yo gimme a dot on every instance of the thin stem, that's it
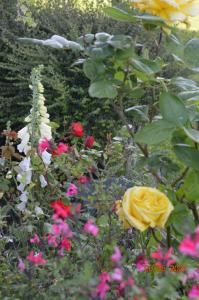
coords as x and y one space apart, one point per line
195 212
156 239
178 179
168 237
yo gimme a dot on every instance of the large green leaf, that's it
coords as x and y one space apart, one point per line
93 69
192 134
191 186
103 89
191 53
173 109
188 156
155 133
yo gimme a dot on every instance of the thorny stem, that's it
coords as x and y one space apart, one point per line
156 238
178 179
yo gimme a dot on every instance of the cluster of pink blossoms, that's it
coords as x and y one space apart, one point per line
117 278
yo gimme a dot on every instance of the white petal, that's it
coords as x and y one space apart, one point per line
39 211
43 181
46 157
45 131
25 164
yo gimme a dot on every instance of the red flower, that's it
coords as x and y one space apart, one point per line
61 148
66 244
89 142
61 209
83 180
77 129
36 259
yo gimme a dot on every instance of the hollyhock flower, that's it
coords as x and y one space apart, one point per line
91 228
52 240
36 259
72 190
89 142
117 274
77 129
21 265
164 258
194 292
188 247
116 257
83 179
60 209
61 148
43 145
35 239
141 263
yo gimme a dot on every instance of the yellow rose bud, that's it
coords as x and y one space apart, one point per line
144 207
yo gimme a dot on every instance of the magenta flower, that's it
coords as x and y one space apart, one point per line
188 246
102 288
164 258
117 274
91 228
52 241
72 190
141 263
124 284
191 275
66 244
35 239
43 145
36 259
61 148
116 257
83 180
21 265
194 292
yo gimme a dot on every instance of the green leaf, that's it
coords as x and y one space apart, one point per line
119 14
103 89
191 186
149 19
93 69
188 156
141 66
185 83
191 53
155 133
192 134
173 109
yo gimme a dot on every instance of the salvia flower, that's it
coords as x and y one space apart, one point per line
21 265
89 142
164 258
141 263
116 257
60 209
72 190
35 239
36 258
194 292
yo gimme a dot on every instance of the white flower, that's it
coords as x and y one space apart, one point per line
21 187
38 211
43 181
45 131
24 198
46 157
25 164
24 135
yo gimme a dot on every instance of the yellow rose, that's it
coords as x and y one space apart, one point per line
170 10
144 207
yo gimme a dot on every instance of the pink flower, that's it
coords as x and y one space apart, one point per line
91 228
117 274
43 145
141 263
188 246
52 240
116 257
123 285
83 180
36 259
102 288
164 258
62 228
194 292
66 244
61 148
21 265
72 190
191 275
35 239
